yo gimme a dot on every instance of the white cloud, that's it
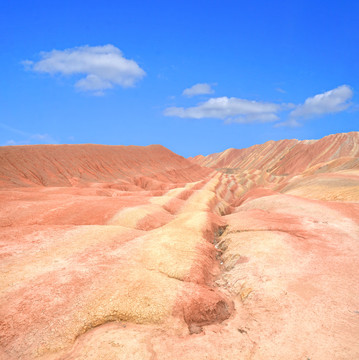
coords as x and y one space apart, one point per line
198 89
332 101
229 109
103 67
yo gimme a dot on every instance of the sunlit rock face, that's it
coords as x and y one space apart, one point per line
114 252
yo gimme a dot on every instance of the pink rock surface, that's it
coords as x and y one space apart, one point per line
111 252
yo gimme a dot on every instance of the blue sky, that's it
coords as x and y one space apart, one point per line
195 76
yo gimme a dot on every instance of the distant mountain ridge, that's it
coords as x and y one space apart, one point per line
286 157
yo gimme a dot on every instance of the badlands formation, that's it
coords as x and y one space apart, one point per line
113 252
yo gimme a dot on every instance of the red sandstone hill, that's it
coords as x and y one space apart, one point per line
288 157
68 165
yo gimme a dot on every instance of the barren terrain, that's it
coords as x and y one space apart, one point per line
114 252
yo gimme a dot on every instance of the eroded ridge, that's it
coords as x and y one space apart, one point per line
148 263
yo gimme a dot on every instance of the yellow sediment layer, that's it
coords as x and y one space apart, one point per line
329 193
129 217
130 294
173 248
171 194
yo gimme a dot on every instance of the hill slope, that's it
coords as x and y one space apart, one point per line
67 165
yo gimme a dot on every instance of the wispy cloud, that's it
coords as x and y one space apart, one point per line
229 109
198 89
102 67
332 101
280 90
26 138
